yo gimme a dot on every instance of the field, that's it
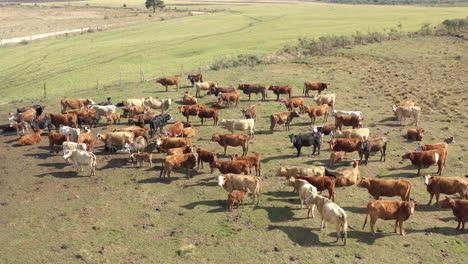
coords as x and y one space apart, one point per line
49 214
187 44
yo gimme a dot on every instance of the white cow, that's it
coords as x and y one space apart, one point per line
362 133
329 99
239 125
163 104
103 110
68 145
402 112
74 132
81 157
353 113
135 102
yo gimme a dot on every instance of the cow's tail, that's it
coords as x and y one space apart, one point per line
408 192
365 221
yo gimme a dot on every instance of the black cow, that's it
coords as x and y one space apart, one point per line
7 128
193 78
306 140
109 102
158 121
91 121
41 123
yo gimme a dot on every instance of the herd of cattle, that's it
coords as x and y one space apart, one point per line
175 141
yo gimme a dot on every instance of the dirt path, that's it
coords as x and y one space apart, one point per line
40 36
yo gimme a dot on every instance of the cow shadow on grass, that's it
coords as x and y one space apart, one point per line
39 155
159 180
203 182
280 157
300 124
399 175
315 161
210 203
64 174
282 194
356 210
115 163
57 165
429 208
278 214
447 231
303 236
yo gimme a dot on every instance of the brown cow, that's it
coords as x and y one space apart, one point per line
347 120
322 183
177 129
114 117
31 139
388 188
371 146
138 131
446 185
141 157
254 88
232 140
389 210
187 161
293 103
336 156
250 113
442 145
314 111
314 86
169 81
75 104
57 139
254 160
415 134
131 111
281 89
69 119
228 98
180 150
188 99
283 118
191 110
350 176
208 113
231 166
459 209
84 112
237 196
142 119
21 126
427 158
194 78
345 144
171 142
205 156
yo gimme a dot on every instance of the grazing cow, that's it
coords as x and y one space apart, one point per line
237 182
250 113
81 157
293 103
206 156
330 212
388 188
20 126
442 145
186 161
370 146
415 134
329 99
41 123
249 89
158 121
75 103
204 86
171 142
314 86
459 209
177 130
350 176
322 183
345 144
231 166
254 160
228 98
68 145
233 140
361 133
142 119
347 120
65 119
240 125
208 113
188 99
336 156
191 110
427 158
281 89
353 113
195 78
389 210
91 121
219 90
169 81
306 140
283 118
138 146
237 196
403 111
142 157
138 131
162 104
295 171
304 188
180 150
116 138
446 185
73 132
113 118
314 111
31 139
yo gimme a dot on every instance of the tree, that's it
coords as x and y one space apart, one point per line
154 4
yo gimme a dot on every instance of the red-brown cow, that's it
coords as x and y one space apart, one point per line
254 160
314 86
281 89
229 98
388 188
191 110
427 158
231 166
69 119
415 134
347 120
293 103
389 210
169 81
208 113
31 139
459 209
206 156
254 88
314 111
57 139
322 183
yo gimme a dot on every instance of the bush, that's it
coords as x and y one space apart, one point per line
240 60
90 30
24 42
124 5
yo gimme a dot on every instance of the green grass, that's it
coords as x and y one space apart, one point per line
170 47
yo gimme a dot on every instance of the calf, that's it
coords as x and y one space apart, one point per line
253 88
57 139
347 120
427 158
459 209
205 156
208 113
81 157
389 188
293 103
187 161
322 183
231 166
31 139
336 156
314 86
446 185
188 99
254 160
370 146
91 121
68 145
233 140
389 210
250 113
138 146
281 89
231 182
283 118
415 134
314 111
203 86
113 118
237 196
191 110
141 157
306 140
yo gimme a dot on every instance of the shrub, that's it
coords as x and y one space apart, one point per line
24 42
124 5
240 60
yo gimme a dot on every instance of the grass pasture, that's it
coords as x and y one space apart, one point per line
49 214
186 44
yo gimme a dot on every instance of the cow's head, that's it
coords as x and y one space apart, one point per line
67 154
408 155
449 140
292 138
448 202
364 183
281 171
408 207
427 178
271 88
221 181
222 122
419 147
332 143
215 137
90 102
354 163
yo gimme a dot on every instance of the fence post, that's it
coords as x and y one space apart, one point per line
142 75
45 90
97 83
